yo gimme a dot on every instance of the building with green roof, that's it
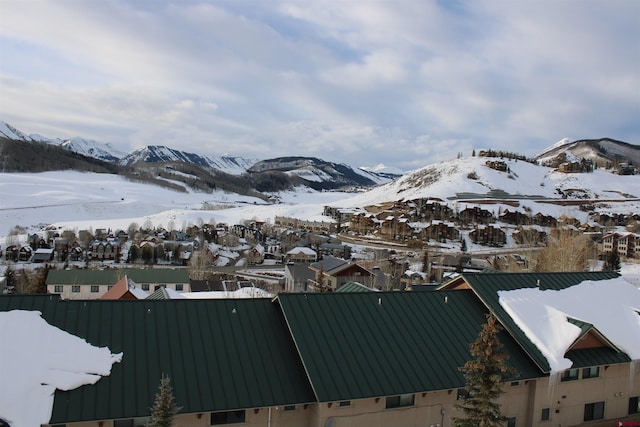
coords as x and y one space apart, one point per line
92 284
333 359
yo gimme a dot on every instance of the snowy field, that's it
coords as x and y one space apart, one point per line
76 200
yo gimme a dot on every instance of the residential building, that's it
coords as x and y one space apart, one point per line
93 284
301 254
331 273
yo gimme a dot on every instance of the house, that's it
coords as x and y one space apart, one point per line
24 253
93 284
42 255
440 230
331 273
488 235
298 277
396 227
475 215
363 222
104 250
627 245
531 235
515 217
411 278
255 255
498 165
301 254
11 253
384 358
335 249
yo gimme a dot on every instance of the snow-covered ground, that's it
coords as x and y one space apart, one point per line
76 200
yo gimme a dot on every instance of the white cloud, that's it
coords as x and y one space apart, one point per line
370 73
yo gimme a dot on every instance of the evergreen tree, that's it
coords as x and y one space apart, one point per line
484 375
164 407
612 262
10 277
463 246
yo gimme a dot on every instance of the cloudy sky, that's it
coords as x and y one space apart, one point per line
400 82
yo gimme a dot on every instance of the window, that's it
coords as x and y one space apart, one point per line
95 288
145 287
591 372
634 405
123 423
344 403
569 375
75 289
594 411
399 401
57 289
289 407
179 287
511 422
515 383
546 414
462 394
109 287
227 417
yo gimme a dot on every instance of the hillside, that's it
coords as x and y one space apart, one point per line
35 156
524 186
602 151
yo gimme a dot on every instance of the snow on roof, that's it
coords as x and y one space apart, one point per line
611 306
43 359
302 249
247 292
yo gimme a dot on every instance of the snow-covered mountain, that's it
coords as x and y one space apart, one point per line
90 148
314 172
320 174
99 150
233 165
601 151
9 132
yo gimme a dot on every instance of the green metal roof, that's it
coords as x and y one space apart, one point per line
486 286
596 357
219 354
369 344
355 287
111 276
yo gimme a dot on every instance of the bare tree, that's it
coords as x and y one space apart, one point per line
566 251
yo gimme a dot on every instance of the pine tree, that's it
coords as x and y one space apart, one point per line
484 375
612 262
10 277
164 407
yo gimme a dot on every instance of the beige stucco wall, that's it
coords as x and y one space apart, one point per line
86 294
524 401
